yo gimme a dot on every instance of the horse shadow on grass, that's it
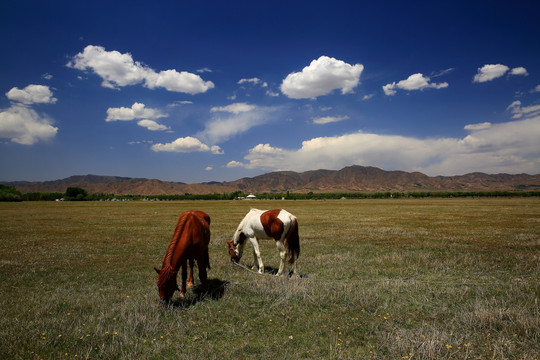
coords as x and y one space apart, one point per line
216 290
269 270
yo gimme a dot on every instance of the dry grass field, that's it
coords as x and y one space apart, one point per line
381 279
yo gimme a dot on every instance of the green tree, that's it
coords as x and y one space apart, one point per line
9 193
75 193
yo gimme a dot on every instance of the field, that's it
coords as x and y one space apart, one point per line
381 279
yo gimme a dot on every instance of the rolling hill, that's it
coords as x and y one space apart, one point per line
349 179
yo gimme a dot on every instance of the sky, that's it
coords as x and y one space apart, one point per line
197 91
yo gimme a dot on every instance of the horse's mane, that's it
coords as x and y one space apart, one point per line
166 274
174 241
167 270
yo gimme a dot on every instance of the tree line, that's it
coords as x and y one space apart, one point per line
9 193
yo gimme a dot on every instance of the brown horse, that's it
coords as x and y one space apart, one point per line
189 242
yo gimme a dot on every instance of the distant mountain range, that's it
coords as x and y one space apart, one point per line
349 179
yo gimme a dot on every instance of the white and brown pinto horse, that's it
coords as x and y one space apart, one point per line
189 242
277 224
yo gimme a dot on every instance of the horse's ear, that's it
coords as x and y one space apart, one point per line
158 271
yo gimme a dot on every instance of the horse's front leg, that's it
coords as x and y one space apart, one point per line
184 276
190 282
257 261
282 256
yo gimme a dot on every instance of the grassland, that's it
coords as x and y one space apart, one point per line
381 279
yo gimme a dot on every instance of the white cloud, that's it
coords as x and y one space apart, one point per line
321 77
521 71
480 126
238 118
137 111
152 125
389 89
489 72
178 81
180 103
413 82
24 126
234 164
442 72
186 145
265 156
271 93
209 168
235 108
329 119
32 94
536 89
368 96
47 76
253 81
510 147
118 70
527 111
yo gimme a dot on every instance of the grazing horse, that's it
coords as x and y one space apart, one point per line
189 242
277 224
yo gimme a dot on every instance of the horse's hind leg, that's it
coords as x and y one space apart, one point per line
293 265
191 281
201 263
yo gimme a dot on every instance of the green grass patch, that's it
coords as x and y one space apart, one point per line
381 279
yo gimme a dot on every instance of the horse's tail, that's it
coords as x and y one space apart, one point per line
207 260
293 240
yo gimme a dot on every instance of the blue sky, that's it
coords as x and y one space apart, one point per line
196 91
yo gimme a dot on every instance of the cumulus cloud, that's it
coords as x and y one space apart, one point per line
490 72
413 82
510 147
329 119
118 70
493 71
186 144
32 94
321 77
152 125
521 71
136 111
24 126
234 164
536 89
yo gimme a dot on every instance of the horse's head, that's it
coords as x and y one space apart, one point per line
166 285
233 251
